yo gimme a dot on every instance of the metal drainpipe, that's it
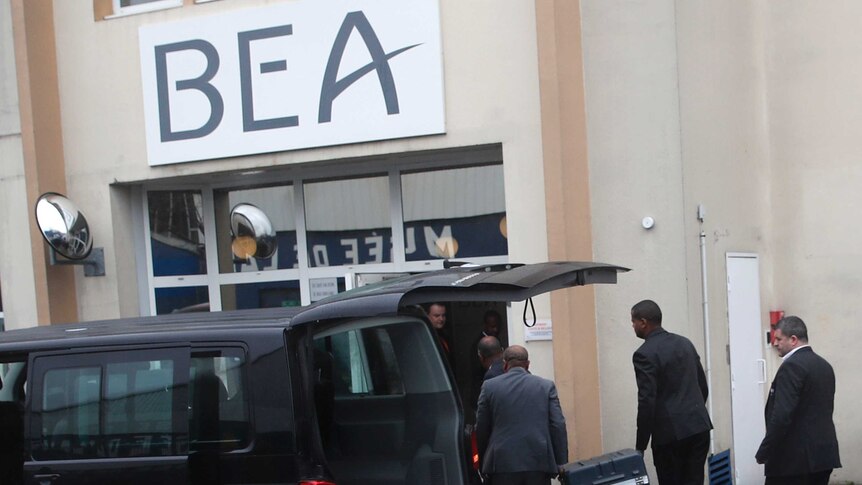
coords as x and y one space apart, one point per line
701 213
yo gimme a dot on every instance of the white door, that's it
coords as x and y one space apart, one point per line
747 365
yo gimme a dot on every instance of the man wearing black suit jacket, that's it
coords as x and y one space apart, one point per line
800 446
672 391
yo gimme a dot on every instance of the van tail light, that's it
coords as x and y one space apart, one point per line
474 450
315 482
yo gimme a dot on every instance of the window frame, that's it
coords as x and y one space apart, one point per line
393 168
152 6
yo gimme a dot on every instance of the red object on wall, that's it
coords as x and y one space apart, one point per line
774 317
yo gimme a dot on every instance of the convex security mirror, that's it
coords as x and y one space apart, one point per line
252 233
65 229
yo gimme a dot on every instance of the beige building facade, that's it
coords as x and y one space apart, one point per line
553 129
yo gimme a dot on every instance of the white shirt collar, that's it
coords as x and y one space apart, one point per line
787 355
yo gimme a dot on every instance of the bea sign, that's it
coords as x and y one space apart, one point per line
303 74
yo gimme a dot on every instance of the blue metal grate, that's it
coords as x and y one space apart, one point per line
720 471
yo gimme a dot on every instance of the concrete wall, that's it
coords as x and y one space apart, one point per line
19 294
815 119
636 170
752 110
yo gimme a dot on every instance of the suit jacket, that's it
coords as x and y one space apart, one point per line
520 425
800 435
672 390
496 369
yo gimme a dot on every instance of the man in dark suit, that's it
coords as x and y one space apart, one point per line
490 354
490 328
520 429
800 446
672 391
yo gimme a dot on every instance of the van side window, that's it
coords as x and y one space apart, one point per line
158 402
218 414
138 402
363 362
70 412
111 405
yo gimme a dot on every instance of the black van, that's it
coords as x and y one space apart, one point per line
353 390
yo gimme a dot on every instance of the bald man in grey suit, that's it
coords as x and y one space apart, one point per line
520 429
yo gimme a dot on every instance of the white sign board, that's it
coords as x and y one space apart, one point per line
301 74
542 330
322 287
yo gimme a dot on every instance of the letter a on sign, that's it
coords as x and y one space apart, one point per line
379 62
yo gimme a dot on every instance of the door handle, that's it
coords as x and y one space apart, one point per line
47 478
762 364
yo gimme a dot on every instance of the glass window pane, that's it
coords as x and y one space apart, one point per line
348 222
271 294
70 417
276 203
364 362
218 415
385 375
139 409
177 232
349 369
454 213
182 299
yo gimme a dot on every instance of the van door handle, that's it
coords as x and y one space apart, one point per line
762 364
47 478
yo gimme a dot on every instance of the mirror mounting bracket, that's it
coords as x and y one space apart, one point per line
94 263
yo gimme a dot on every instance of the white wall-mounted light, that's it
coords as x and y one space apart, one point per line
648 222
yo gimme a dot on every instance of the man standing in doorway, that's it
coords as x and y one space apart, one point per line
490 328
800 446
437 316
672 391
520 429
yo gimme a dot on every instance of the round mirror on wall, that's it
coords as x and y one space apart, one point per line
63 226
252 233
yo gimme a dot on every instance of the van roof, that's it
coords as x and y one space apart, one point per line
162 324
